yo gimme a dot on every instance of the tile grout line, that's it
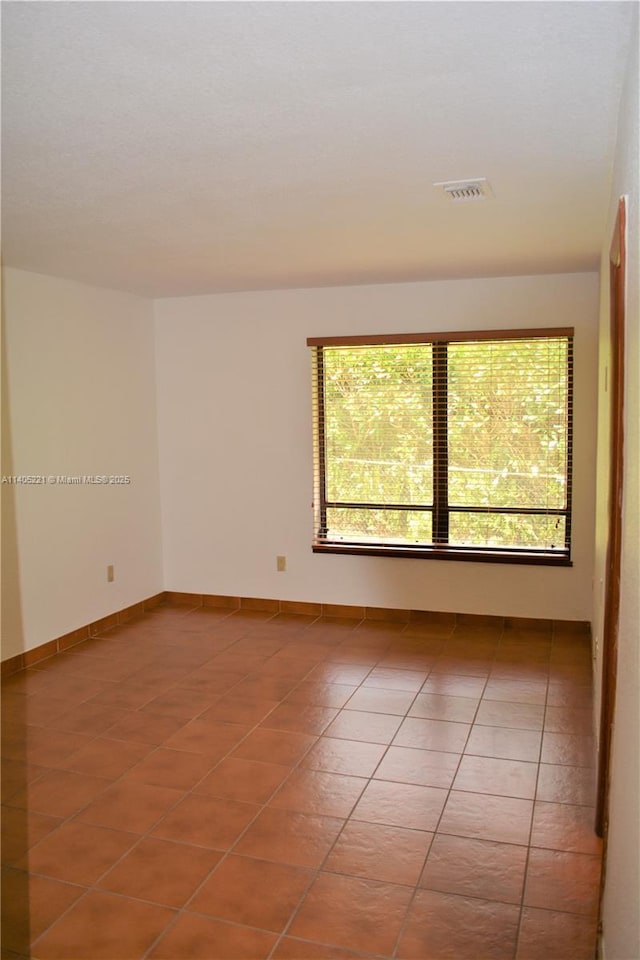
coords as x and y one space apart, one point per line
370 779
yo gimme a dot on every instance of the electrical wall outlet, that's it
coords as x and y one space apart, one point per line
110 574
281 564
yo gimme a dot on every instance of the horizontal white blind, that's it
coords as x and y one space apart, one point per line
445 442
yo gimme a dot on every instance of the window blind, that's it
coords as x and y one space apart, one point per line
448 444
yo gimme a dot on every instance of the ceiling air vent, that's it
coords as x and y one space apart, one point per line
462 190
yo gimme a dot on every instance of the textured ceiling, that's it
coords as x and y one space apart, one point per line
172 148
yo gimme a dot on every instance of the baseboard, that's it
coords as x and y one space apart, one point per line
193 601
27 659
352 612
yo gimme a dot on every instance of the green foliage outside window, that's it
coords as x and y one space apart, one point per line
507 442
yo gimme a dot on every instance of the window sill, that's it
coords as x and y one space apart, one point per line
449 553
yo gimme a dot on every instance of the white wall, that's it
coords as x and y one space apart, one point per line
234 414
81 401
621 910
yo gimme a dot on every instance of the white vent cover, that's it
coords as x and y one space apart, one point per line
461 190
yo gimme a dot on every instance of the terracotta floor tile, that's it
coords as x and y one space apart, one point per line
570 694
321 694
387 678
338 626
316 791
547 933
224 661
304 650
234 709
103 926
448 685
266 645
516 691
206 821
501 713
357 914
289 837
422 636
475 868
557 880
198 938
568 748
427 768
374 851
245 780
161 673
185 703
61 667
38 709
461 664
428 712
15 776
60 793
575 720
140 727
474 631
579 673
103 669
363 654
563 826
103 757
442 925
564 784
299 718
504 743
30 904
520 670
369 727
431 706
341 673
352 757
212 681
29 681
292 949
48 747
78 853
442 735
209 738
170 768
258 893
504 819
128 695
21 830
162 871
88 718
16 737
375 700
277 746
130 806
283 668
481 648
416 659
13 701
401 805
526 651
264 688
506 778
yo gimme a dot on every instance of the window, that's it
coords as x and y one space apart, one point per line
453 446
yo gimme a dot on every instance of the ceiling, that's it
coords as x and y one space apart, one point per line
173 148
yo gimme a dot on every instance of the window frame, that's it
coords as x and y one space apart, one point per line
440 509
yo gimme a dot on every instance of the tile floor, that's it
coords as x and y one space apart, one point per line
216 785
